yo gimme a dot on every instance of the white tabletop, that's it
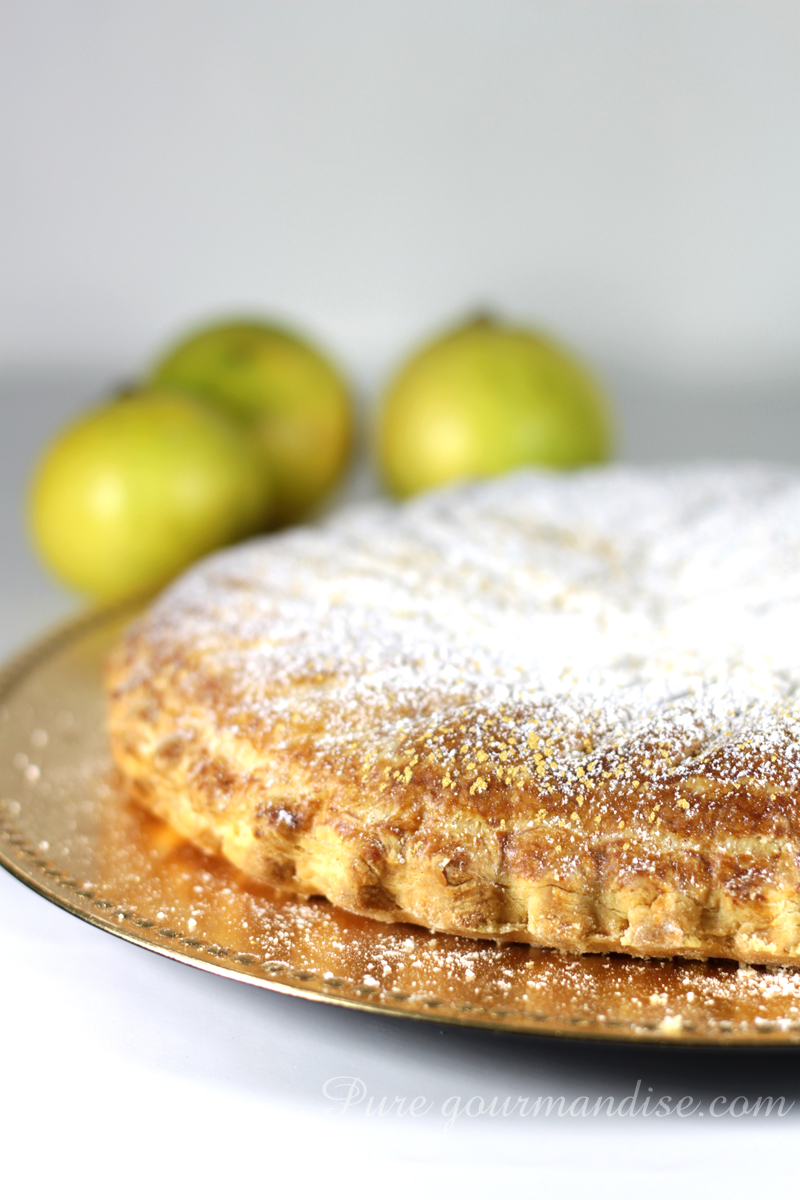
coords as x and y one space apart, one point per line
125 1072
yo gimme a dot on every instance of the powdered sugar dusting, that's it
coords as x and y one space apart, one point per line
612 618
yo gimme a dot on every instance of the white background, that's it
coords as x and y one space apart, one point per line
628 174
624 174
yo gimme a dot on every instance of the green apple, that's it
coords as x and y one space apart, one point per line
486 398
136 490
295 402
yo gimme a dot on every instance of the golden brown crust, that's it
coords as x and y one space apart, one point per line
563 818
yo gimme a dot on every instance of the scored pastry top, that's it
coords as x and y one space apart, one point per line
595 649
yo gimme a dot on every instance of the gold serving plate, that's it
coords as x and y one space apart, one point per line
67 831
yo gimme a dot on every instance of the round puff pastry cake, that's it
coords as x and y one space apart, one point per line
556 709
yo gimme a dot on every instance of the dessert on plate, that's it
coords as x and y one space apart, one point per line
560 709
